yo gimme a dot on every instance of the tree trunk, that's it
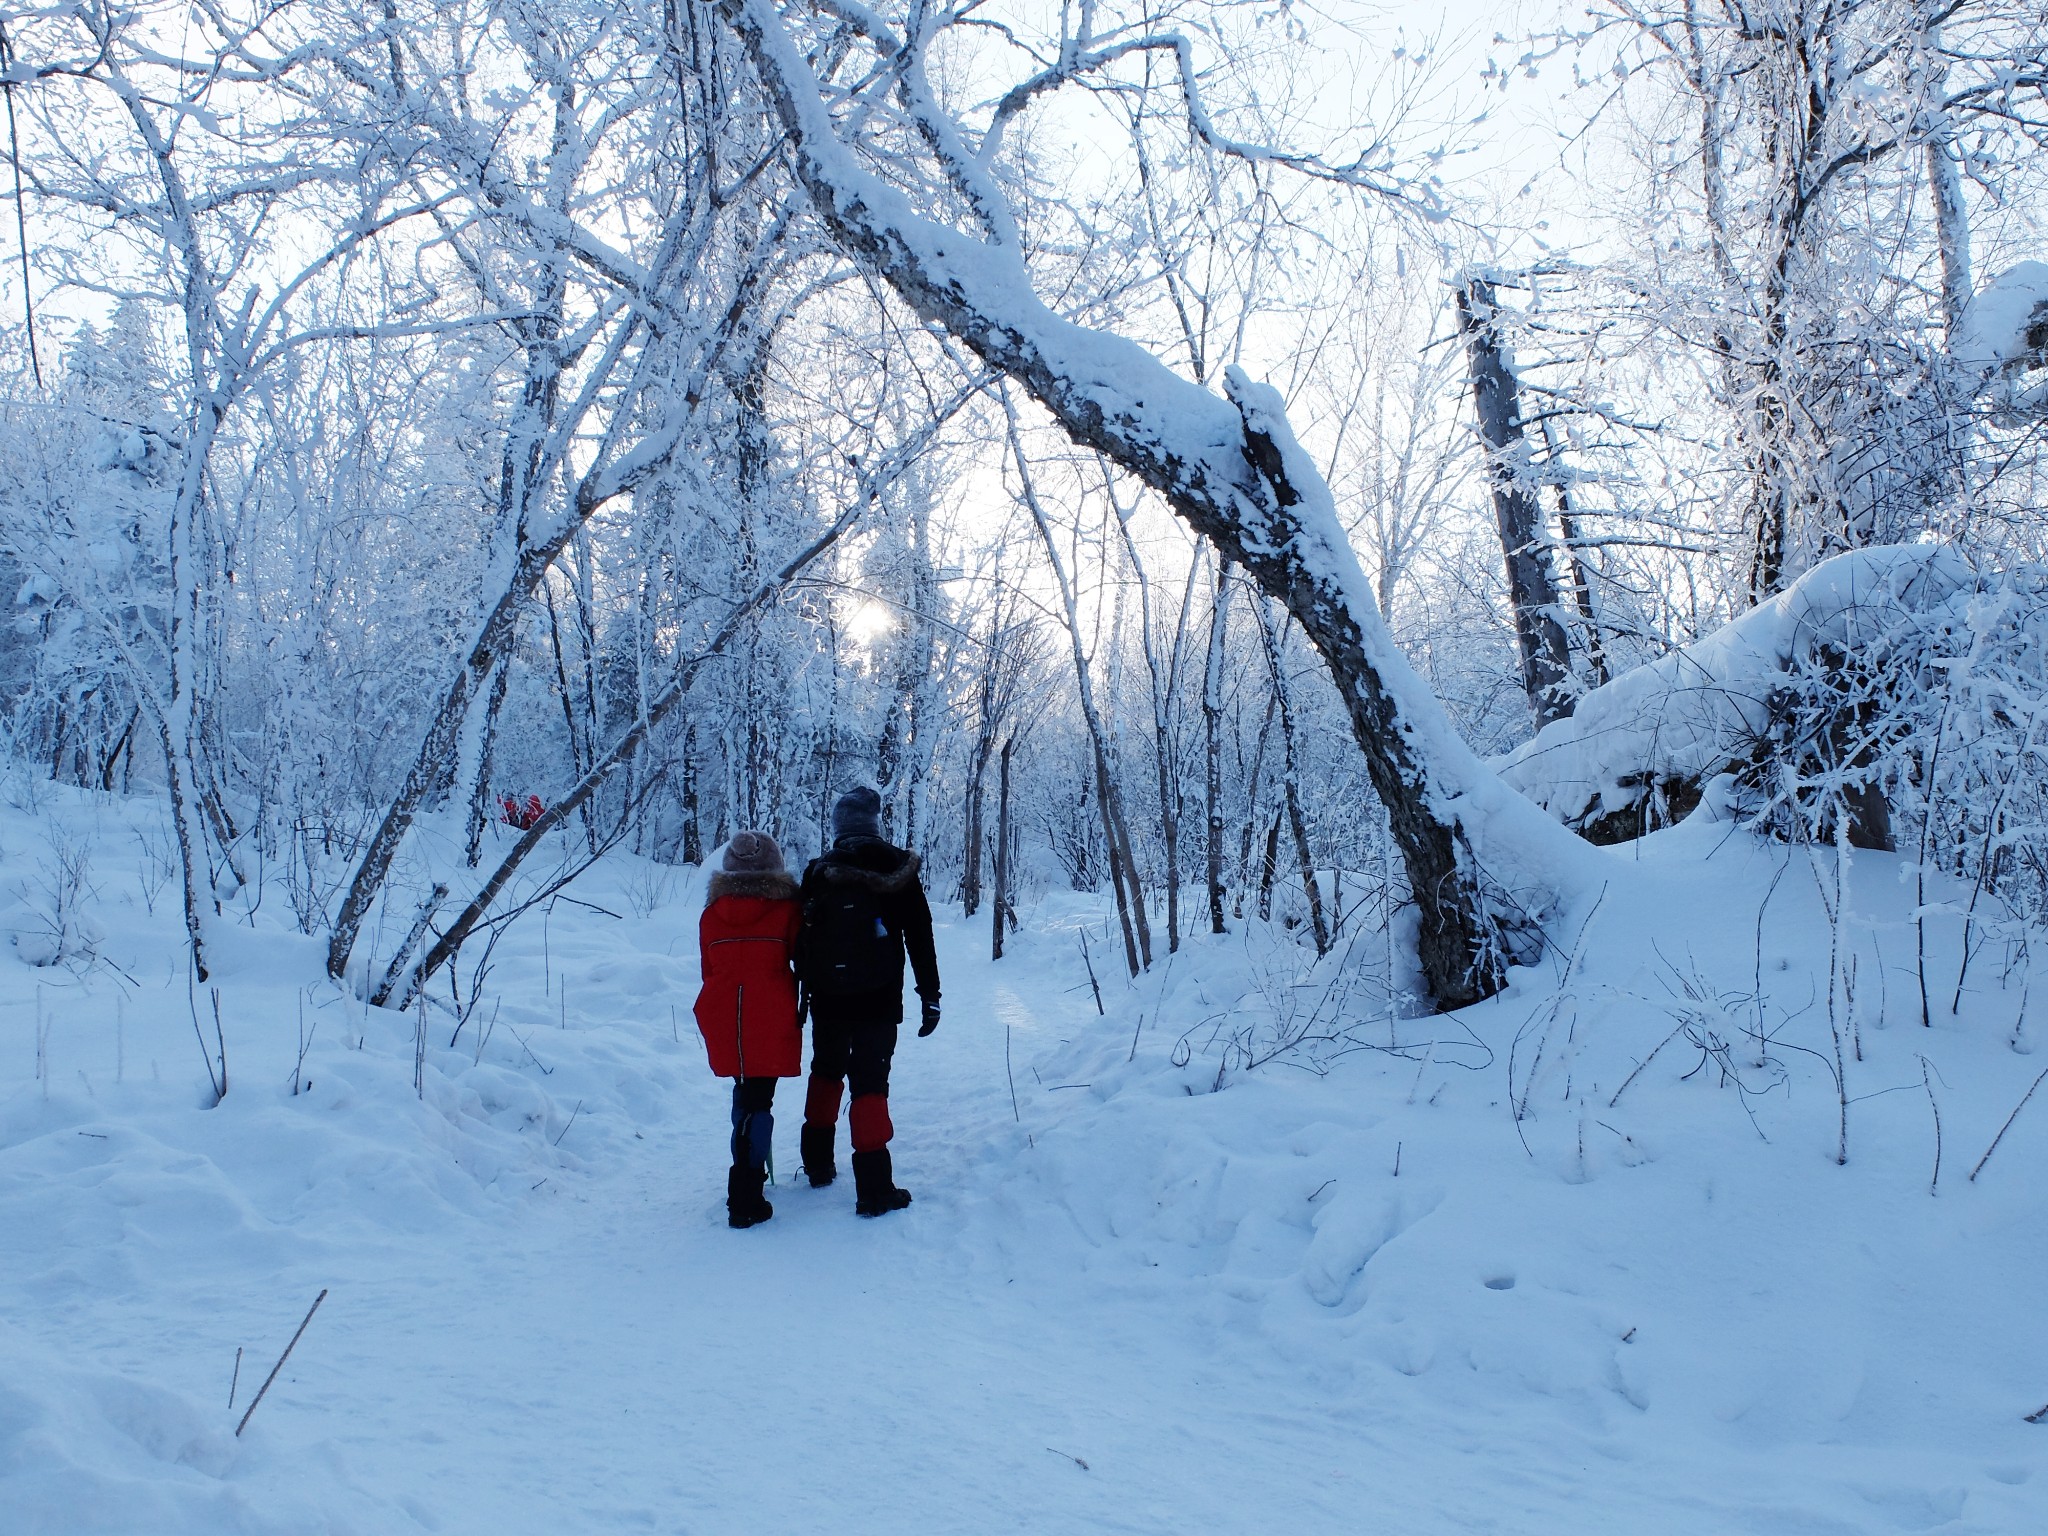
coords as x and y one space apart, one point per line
1268 867
586 642
1128 858
1290 780
191 612
1951 212
1123 878
1532 586
1249 832
1112 852
1163 687
191 866
122 743
970 852
1583 598
483 800
1119 819
889 759
1212 743
1001 904
693 824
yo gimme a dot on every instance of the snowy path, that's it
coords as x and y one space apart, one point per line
604 1354
1224 1304
624 1362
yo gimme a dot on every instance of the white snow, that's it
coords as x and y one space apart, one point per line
1993 332
1685 714
1164 1292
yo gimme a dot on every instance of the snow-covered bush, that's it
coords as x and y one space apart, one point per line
1929 736
1892 697
1638 752
1962 725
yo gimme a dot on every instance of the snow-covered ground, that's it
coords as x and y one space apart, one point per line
1144 1287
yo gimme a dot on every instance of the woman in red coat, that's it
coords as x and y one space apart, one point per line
747 1006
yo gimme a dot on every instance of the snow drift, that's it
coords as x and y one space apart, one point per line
1642 746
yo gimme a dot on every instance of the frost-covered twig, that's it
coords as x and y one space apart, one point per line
2008 1125
1676 1031
1927 1082
280 1363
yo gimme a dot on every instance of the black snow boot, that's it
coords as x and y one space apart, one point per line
745 1205
815 1143
874 1184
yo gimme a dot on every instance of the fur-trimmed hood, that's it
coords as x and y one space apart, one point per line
774 886
838 867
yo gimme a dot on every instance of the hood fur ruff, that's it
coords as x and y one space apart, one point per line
898 879
774 886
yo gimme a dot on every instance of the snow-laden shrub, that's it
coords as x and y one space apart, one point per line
1945 716
1637 752
1892 698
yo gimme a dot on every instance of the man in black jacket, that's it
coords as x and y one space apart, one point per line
864 910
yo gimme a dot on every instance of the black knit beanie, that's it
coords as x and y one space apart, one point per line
857 814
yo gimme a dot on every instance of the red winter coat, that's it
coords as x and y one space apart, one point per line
747 1006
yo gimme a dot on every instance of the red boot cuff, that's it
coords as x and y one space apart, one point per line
868 1118
821 1101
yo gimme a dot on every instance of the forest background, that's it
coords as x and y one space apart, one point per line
1092 424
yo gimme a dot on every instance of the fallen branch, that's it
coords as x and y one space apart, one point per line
2006 1127
572 1120
280 1362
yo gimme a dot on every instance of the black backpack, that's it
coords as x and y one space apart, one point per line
848 945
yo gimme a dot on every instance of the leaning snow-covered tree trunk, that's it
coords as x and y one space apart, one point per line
1230 468
626 748
620 344
532 535
621 753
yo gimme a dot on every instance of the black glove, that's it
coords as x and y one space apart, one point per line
930 1009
